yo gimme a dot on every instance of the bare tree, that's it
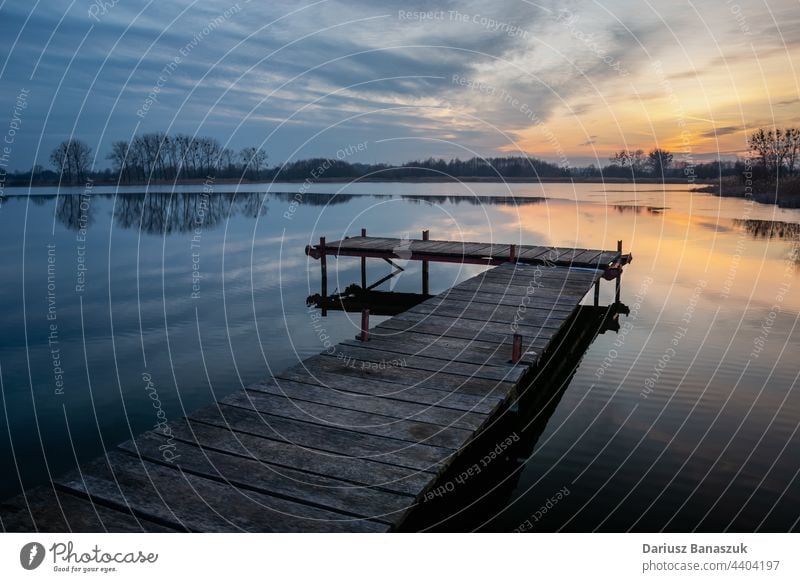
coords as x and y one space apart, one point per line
119 160
777 149
71 158
659 161
253 159
59 158
227 162
629 159
791 138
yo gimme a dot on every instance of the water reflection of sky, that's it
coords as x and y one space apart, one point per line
718 424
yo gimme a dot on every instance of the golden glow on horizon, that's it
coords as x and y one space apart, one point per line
650 110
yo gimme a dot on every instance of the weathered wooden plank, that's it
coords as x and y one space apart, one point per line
509 316
440 381
424 246
366 243
168 495
607 257
357 244
492 288
532 311
44 509
557 253
419 394
534 252
540 277
317 466
386 334
498 250
538 302
588 257
455 249
519 291
390 408
497 355
481 330
505 374
253 475
502 299
568 255
545 272
451 336
526 253
324 415
335 441
433 247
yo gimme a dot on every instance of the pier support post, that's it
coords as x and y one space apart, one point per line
363 265
516 349
364 334
512 253
425 288
323 268
597 293
619 277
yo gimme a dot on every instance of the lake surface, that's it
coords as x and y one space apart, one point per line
684 419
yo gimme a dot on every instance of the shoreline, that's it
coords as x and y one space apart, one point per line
431 180
787 196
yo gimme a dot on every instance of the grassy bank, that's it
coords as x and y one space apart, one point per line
785 193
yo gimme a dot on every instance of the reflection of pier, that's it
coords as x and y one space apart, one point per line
356 298
351 439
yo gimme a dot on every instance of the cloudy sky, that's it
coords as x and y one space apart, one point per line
566 81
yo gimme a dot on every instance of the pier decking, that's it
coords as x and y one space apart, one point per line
463 252
352 438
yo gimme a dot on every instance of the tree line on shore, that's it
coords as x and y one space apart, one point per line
160 157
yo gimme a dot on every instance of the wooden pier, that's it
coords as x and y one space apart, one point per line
350 439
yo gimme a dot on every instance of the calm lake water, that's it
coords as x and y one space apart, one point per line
684 419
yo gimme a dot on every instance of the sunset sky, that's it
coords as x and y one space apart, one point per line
566 81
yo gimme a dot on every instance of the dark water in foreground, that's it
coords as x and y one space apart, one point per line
685 419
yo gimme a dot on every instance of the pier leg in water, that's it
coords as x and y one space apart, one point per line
363 264
323 267
425 236
619 277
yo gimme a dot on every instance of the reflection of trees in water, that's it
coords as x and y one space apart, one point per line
319 199
71 215
165 213
637 209
325 199
769 228
162 213
474 200
184 212
794 254
41 200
